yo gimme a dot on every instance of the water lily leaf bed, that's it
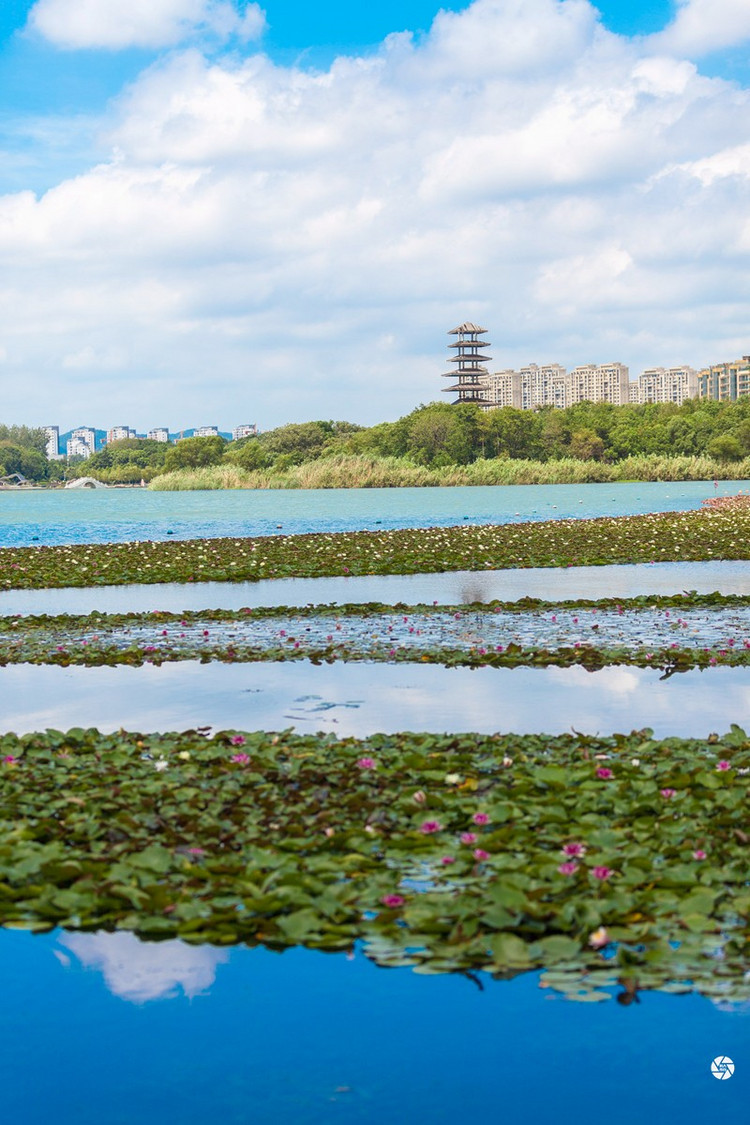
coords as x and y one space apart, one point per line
691 631
697 535
618 857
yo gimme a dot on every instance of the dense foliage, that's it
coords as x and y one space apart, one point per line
450 853
22 450
663 537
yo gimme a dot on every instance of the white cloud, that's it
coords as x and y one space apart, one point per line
703 26
139 971
260 230
115 24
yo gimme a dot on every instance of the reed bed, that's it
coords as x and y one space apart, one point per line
344 471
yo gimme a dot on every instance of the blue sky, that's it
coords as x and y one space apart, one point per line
209 208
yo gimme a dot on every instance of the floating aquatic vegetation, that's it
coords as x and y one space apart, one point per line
658 537
673 633
600 859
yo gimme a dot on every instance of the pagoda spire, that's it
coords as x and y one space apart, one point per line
470 371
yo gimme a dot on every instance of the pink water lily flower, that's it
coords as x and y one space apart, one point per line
241 759
667 793
393 900
723 765
480 853
367 763
604 772
9 760
237 740
574 850
699 854
447 859
430 826
602 872
599 938
468 837
481 818
568 868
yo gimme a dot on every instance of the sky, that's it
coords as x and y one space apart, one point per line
217 212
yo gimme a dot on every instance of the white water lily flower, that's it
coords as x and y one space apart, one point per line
161 764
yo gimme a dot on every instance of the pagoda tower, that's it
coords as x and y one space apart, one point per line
470 372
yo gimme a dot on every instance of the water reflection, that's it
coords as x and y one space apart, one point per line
138 971
314 1039
450 588
359 699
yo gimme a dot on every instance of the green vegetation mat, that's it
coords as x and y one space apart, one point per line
465 635
596 858
671 536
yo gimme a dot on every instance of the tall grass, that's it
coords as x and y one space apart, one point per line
345 471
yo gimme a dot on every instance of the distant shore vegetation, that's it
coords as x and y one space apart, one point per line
440 444
436 444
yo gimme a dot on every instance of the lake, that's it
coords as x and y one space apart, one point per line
101 1028
48 516
104 1028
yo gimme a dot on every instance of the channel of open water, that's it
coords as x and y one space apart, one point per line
448 588
359 699
117 515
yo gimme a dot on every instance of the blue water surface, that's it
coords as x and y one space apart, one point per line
101 1028
49 516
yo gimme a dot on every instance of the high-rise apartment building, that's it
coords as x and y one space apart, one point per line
206 431
119 433
248 430
82 442
606 382
726 381
52 448
501 388
161 433
660 384
543 386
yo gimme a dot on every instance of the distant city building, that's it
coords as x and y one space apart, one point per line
606 382
119 433
660 384
52 448
206 431
161 433
502 388
469 360
543 386
82 442
249 430
726 382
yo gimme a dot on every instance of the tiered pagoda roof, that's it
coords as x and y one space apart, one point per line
470 360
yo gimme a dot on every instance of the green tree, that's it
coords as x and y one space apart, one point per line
724 447
194 453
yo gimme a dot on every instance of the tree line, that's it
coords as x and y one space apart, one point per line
433 435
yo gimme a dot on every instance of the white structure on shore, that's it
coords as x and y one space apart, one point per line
161 433
206 431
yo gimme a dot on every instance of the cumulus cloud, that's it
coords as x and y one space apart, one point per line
274 243
139 971
703 26
116 24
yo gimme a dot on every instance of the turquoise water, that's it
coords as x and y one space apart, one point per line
117 515
100 1029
